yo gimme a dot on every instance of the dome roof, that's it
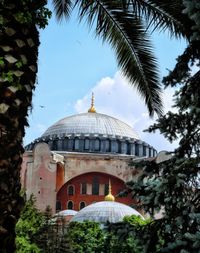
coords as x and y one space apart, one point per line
91 123
66 213
105 211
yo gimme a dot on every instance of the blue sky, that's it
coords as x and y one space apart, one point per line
73 63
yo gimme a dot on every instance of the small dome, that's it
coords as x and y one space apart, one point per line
66 213
105 211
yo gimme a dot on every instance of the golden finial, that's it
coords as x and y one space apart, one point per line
109 197
92 108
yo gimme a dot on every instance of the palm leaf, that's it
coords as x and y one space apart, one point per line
159 14
62 8
128 36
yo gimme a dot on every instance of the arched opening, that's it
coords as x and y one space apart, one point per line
76 144
70 205
97 145
82 205
70 190
83 188
86 144
58 206
95 186
107 142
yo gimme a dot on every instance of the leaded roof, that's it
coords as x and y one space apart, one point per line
105 211
91 123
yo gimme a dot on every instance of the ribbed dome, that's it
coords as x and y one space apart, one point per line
91 123
105 211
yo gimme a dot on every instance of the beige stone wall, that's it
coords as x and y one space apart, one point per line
77 164
38 174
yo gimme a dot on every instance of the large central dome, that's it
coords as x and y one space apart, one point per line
91 123
94 132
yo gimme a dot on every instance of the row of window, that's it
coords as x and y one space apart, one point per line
89 145
97 145
70 205
90 189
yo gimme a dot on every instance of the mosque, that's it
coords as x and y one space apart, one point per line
70 165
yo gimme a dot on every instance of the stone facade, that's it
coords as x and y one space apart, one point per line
70 165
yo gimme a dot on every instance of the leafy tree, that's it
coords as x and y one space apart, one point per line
124 24
30 222
86 237
51 237
173 186
128 236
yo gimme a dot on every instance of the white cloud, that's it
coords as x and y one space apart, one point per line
115 97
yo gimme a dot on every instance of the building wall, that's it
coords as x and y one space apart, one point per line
101 180
38 176
45 173
116 165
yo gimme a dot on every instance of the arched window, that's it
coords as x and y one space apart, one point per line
95 186
70 144
107 145
54 146
136 149
58 205
70 205
87 144
97 145
82 205
70 190
115 146
76 144
83 188
144 150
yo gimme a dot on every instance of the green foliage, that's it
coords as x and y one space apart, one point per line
51 238
136 220
173 186
86 237
128 236
28 225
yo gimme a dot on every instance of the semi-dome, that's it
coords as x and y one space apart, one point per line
105 211
91 124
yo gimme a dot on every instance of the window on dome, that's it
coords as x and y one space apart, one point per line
95 186
136 149
144 151
149 152
125 148
83 188
107 145
70 144
54 145
76 144
58 205
97 145
70 205
70 190
87 144
82 205
115 146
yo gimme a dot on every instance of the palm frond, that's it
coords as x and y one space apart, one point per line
160 14
62 8
128 36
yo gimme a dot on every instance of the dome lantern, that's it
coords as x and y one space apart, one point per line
109 197
92 108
